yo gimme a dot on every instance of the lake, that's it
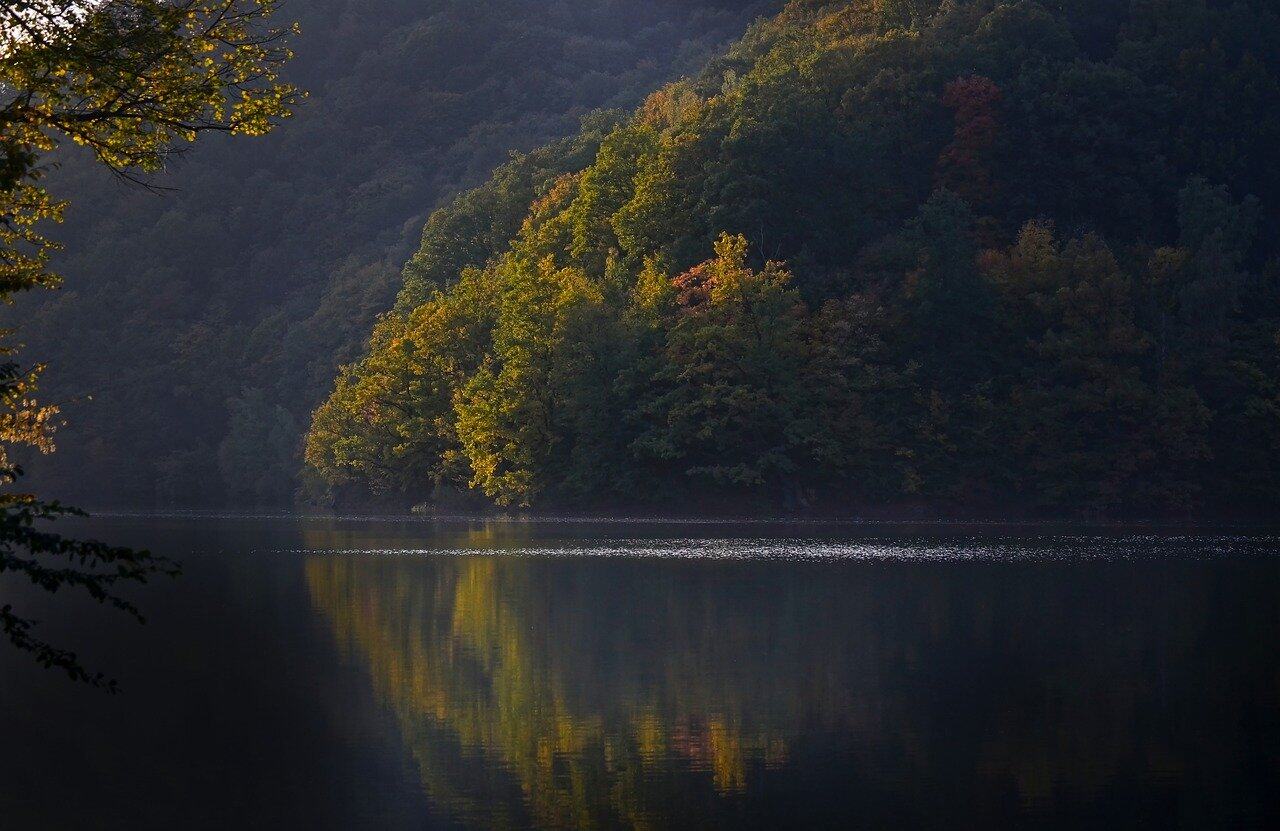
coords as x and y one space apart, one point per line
355 673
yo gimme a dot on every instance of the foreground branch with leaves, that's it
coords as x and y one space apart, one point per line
129 80
52 562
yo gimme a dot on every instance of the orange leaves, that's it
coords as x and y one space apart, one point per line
965 164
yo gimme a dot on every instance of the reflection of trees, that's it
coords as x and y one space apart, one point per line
638 694
494 678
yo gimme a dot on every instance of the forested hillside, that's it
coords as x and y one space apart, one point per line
200 326
986 254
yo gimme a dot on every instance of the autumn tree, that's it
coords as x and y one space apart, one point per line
965 165
390 422
732 378
515 414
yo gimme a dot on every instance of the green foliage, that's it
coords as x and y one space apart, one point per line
731 382
507 412
125 79
1093 422
390 421
1029 261
265 264
260 450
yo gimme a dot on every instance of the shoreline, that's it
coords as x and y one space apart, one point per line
1151 524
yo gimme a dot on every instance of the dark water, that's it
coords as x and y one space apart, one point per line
347 674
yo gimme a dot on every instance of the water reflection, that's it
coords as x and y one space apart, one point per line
602 693
536 700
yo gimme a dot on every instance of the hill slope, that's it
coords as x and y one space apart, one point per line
986 253
220 310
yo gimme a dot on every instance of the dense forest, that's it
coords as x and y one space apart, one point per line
203 320
988 254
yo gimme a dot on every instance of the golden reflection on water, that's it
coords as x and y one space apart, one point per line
543 692
480 662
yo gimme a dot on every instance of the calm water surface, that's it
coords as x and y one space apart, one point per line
471 674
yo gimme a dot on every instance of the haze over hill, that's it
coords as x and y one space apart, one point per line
220 310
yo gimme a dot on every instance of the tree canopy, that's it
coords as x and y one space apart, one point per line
989 254
229 298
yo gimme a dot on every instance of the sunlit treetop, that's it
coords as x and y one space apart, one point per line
127 78
130 80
